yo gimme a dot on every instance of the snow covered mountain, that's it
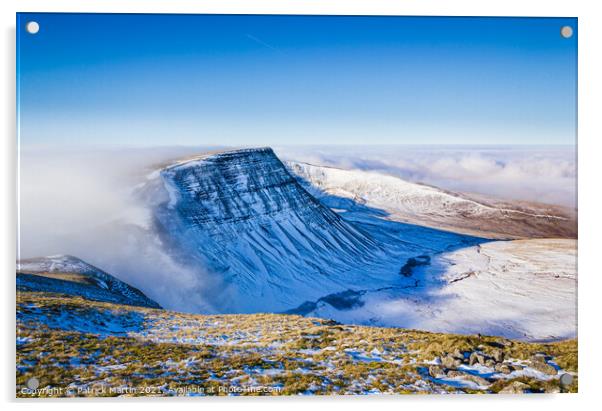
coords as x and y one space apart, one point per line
243 215
362 247
241 232
69 275
414 203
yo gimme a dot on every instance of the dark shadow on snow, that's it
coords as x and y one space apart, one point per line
425 242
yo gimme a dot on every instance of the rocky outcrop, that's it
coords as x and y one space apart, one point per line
488 365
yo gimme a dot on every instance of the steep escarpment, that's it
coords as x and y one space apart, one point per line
237 188
250 221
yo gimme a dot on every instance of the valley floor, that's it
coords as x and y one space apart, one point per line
76 347
522 289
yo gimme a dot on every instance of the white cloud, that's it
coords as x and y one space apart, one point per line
82 202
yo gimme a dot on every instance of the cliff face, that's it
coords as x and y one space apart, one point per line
237 187
246 217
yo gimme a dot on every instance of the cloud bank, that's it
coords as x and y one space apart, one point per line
84 203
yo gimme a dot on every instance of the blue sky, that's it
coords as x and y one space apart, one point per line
156 80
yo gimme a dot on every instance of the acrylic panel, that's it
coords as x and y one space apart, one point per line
288 204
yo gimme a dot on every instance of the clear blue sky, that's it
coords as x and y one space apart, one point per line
146 80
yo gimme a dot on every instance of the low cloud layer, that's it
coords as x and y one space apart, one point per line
83 203
543 174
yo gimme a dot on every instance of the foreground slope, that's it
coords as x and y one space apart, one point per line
70 275
79 347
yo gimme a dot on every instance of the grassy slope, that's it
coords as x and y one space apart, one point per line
67 341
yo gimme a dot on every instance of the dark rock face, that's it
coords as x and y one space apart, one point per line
345 300
234 190
249 220
412 263
236 187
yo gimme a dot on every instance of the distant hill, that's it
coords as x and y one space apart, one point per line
66 274
355 191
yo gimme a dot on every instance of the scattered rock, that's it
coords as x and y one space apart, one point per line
475 378
490 363
516 387
472 359
476 357
450 362
468 377
503 368
540 357
459 355
436 371
543 367
498 355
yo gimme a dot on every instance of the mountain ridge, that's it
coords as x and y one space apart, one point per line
248 218
434 207
70 275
